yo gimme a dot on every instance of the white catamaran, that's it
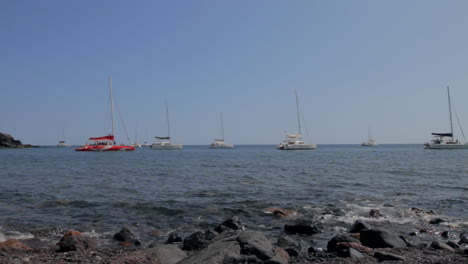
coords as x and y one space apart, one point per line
370 142
219 142
446 140
294 142
164 143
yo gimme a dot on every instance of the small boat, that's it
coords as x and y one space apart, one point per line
294 142
370 142
136 144
446 140
62 144
106 143
219 143
146 144
164 143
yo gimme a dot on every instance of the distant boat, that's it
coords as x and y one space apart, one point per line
219 143
146 144
62 143
446 140
136 144
164 143
294 141
370 142
105 143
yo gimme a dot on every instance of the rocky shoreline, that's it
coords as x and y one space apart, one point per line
232 242
7 141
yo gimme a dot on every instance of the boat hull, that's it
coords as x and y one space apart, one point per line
166 147
296 146
446 146
221 146
105 148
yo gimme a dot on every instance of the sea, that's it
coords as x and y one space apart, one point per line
48 190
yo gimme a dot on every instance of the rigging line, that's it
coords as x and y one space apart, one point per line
123 124
303 122
458 121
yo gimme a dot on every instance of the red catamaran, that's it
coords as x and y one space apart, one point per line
106 143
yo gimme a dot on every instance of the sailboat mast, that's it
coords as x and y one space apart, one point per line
112 105
222 127
297 109
450 112
167 119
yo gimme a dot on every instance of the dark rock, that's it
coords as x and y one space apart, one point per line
285 241
198 240
445 234
350 253
174 237
436 221
232 223
441 245
464 238
331 245
381 256
375 213
237 247
414 233
304 228
314 250
381 238
7 141
76 243
358 226
292 252
127 236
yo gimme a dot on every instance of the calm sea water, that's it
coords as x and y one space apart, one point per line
197 188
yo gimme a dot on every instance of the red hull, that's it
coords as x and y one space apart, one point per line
105 148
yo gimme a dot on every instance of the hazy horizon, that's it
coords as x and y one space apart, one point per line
355 65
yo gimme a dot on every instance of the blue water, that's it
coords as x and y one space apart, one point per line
197 187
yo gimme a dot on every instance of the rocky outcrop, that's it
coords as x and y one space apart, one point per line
7 141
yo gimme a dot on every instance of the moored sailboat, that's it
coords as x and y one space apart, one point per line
294 141
370 142
164 143
105 143
219 142
446 140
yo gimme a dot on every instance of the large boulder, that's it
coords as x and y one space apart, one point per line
381 238
237 247
198 240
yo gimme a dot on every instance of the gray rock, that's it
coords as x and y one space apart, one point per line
464 238
453 244
168 254
441 245
174 237
436 221
381 238
381 256
232 223
237 247
331 245
350 253
286 241
358 226
198 240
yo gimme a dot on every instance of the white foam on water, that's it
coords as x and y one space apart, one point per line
6 235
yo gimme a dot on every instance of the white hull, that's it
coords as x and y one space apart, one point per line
166 146
296 146
63 145
221 146
368 144
445 146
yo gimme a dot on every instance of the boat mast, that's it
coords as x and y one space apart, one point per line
297 109
112 104
222 127
167 119
450 112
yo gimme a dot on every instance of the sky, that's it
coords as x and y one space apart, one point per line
355 65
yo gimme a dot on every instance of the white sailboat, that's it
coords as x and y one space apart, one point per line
446 140
219 143
136 144
62 143
294 142
370 142
164 143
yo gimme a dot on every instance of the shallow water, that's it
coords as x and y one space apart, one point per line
197 187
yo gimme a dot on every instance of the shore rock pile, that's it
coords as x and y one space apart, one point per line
7 141
232 242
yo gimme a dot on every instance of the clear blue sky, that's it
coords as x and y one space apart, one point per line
355 64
